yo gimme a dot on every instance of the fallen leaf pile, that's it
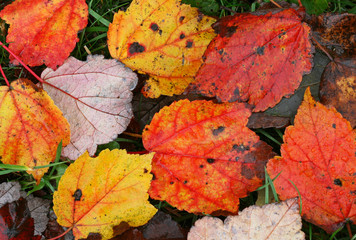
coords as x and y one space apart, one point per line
200 155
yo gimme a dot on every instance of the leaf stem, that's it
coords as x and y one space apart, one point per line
5 78
64 233
139 152
133 134
279 6
349 229
322 48
22 63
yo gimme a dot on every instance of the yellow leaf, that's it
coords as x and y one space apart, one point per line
165 39
96 194
31 127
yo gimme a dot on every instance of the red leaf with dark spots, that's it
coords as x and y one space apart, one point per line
256 59
205 156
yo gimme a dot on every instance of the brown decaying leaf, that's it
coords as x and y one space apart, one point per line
338 87
336 32
100 108
161 226
272 221
9 192
39 209
54 229
263 120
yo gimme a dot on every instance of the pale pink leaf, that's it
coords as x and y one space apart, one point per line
271 221
101 108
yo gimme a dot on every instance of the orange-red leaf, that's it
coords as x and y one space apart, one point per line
42 31
206 158
96 194
163 38
31 127
318 156
256 59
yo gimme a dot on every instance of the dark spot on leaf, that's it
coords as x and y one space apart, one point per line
260 50
182 36
171 182
145 170
337 182
237 158
206 183
181 18
153 176
23 86
77 195
154 27
221 51
230 31
241 148
160 32
334 125
200 17
219 130
185 182
201 166
328 187
136 48
189 44
211 160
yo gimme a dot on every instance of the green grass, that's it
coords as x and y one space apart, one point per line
93 37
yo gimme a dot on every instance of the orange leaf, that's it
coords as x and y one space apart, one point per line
256 59
206 158
96 194
95 97
42 31
31 127
165 39
318 156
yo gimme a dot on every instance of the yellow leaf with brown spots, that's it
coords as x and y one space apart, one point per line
165 39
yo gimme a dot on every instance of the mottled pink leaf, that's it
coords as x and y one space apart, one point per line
101 107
